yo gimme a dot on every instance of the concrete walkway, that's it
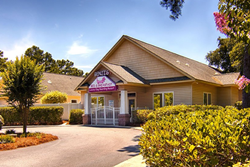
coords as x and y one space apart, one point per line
132 162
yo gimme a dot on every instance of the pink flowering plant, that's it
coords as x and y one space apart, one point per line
243 83
221 23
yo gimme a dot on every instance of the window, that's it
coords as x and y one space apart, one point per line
97 101
163 99
207 99
73 101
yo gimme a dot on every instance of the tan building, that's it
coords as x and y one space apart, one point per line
139 75
59 82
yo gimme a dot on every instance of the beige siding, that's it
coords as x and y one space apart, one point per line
224 96
182 94
77 98
235 95
199 88
142 62
240 95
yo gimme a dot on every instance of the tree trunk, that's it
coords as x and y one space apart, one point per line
25 115
246 72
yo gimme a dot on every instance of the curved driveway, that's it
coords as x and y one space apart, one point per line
78 146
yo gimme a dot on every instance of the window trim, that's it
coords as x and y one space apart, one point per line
162 96
207 97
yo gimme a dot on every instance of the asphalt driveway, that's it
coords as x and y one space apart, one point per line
78 146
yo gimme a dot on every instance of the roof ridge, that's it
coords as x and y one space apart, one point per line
164 50
63 74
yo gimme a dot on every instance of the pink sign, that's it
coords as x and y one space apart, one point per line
102 84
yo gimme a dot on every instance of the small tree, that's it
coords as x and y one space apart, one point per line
54 97
22 85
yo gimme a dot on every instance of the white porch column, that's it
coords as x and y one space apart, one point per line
124 102
87 103
86 117
124 117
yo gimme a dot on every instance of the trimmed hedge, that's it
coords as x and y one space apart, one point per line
196 136
76 116
37 115
141 116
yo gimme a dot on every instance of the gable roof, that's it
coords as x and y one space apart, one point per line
124 73
227 78
62 83
190 68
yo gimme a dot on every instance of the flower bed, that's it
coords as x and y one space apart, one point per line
32 139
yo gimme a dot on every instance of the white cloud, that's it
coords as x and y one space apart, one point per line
18 48
77 49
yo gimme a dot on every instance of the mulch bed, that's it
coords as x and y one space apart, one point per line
29 141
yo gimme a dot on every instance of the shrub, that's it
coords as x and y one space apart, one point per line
142 115
159 113
45 115
54 97
209 137
36 134
10 115
1 120
37 115
238 105
76 116
11 131
6 139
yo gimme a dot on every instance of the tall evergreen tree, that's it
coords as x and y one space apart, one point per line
52 66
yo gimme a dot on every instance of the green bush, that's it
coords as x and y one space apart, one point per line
37 115
1 120
142 115
54 97
206 136
36 134
6 139
238 105
10 115
167 110
76 116
45 115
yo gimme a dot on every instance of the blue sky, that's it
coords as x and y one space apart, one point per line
83 31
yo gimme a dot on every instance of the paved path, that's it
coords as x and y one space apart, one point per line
78 146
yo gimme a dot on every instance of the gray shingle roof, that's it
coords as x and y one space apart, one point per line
228 78
123 73
62 83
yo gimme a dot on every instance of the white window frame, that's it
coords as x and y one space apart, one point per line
207 97
162 100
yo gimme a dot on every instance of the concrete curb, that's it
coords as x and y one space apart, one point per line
132 162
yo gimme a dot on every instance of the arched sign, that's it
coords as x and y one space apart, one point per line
102 84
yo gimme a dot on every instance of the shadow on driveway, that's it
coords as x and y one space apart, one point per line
131 149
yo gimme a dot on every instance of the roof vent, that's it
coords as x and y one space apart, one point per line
49 81
187 64
216 73
177 61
